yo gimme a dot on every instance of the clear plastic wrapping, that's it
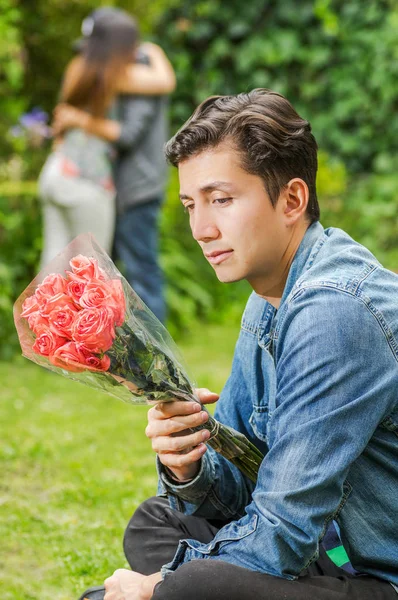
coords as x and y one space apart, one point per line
80 318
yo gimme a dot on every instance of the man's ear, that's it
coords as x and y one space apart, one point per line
295 200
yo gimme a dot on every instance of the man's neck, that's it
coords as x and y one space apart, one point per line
273 292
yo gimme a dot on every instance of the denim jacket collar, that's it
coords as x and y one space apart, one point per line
308 249
259 314
305 255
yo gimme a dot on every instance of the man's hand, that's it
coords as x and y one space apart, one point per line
67 117
168 427
128 585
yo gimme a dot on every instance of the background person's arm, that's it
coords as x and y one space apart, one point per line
155 78
126 133
69 117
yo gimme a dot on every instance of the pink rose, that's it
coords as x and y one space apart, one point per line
36 322
51 286
75 289
94 328
61 320
76 358
105 293
58 301
29 306
96 294
47 342
86 268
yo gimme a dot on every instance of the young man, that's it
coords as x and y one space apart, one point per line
313 384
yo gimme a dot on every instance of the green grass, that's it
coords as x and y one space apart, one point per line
75 464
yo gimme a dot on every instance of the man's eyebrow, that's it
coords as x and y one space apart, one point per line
210 187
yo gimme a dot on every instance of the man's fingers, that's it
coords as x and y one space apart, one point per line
206 396
165 410
178 461
170 426
162 444
175 425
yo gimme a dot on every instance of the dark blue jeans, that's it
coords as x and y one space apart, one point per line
136 245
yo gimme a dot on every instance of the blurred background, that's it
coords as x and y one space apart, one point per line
70 474
336 61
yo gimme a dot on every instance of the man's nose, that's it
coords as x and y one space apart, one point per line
203 226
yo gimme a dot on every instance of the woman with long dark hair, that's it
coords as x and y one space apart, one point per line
76 183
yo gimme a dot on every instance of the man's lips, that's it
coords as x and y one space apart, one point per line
218 256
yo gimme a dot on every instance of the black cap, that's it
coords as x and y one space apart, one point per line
103 22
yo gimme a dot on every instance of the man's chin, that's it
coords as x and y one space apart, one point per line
227 277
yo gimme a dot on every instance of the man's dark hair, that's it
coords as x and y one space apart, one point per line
273 141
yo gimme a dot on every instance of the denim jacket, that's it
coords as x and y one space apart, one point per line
314 385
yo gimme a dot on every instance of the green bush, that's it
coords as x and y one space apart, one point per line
337 62
368 211
11 63
20 244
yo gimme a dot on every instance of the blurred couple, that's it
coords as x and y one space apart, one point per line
106 173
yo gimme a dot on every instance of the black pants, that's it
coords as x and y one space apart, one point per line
151 539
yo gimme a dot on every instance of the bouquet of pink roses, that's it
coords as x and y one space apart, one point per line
79 317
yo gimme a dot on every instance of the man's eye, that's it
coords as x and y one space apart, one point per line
221 200
188 207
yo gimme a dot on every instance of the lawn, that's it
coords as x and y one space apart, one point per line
75 464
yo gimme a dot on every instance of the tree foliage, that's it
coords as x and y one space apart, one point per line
336 61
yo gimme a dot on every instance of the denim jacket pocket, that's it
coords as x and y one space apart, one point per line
235 531
259 421
264 398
